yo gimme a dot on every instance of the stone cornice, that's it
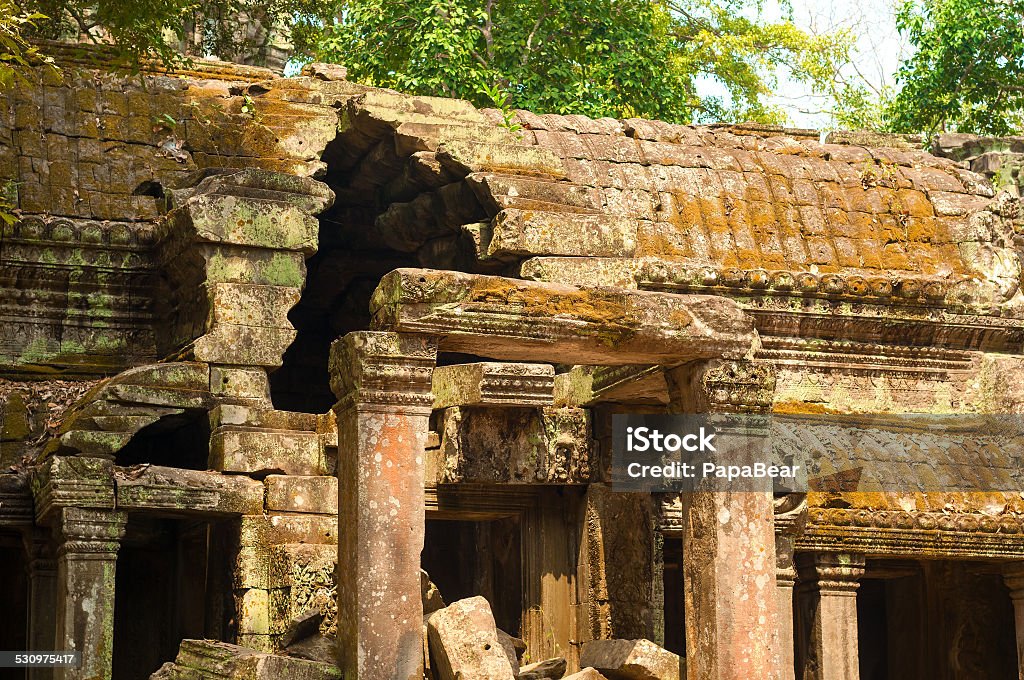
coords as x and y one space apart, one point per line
378 369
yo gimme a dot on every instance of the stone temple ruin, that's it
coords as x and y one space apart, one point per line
270 346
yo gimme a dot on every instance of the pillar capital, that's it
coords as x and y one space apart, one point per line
831 573
85 531
1013 577
383 369
722 386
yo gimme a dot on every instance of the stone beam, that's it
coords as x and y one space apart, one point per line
493 384
729 560
382 381
197 492
516 320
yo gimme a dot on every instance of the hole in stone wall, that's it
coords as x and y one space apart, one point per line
175 441
173 583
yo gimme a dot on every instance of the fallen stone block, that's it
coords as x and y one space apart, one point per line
585 674
217 660
631 660
544 670
303 626
432 600
514 649
464 643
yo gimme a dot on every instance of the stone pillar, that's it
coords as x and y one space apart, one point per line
729 549
828 593
86 561
1014 579
382 381
790 519
42 599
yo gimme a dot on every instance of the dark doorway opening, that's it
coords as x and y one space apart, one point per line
934 620
14 580
675 615
466 558
173 582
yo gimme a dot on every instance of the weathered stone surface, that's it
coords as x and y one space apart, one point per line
258 452
542 670
513 648
585 674
154 487
493 384
466 157
464 641
632 660
248 222
382 381
525 320
516 446
533 232
430 595
291 493
258 530
222 660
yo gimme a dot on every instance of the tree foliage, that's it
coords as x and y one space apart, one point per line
967 73
173 30
596 57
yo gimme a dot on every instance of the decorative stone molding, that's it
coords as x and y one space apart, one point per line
383 371
723 386
89 532
901 533
835 573
54 318
73 482
493 384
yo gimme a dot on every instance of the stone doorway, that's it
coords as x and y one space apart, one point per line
173 582
466 558
934 620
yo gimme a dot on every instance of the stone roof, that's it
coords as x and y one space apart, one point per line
787 225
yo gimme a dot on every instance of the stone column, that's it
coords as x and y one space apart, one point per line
42 599
382 381
1014 579
790 519
729 549
86 561
828 592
